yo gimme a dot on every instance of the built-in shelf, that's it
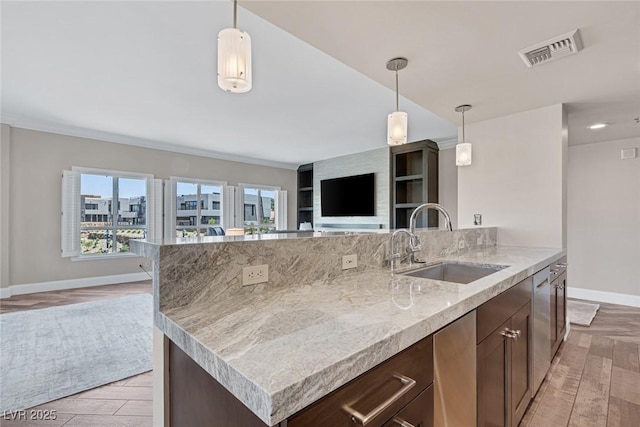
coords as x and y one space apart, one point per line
414 181
305 193
408 178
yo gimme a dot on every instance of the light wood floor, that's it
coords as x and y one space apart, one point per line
125 403
594 380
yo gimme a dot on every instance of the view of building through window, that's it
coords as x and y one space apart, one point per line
198 209
106 227
259 210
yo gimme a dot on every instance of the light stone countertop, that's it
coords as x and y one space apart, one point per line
280 350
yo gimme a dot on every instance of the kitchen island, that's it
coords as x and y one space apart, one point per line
277 347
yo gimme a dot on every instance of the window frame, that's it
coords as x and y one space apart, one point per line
115 211
198 227
241 187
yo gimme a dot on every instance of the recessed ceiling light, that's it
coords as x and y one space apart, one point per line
598 126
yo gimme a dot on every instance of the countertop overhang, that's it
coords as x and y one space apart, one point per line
279 350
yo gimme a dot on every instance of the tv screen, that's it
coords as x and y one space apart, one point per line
348 196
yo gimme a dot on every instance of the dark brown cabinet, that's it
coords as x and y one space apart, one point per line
305 193
558 304
414 181
504 357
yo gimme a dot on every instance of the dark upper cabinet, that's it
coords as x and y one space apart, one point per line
414 180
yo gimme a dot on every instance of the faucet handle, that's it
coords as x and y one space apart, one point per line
414 244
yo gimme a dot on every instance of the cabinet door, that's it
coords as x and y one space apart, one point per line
492 378
561 301
520 380
554 316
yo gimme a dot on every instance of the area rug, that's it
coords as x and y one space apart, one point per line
55 352
581 313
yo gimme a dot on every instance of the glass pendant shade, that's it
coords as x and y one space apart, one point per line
397 128
463 154
234 60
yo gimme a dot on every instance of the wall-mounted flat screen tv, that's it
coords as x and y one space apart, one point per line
348 196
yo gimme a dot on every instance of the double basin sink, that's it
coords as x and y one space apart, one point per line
455 272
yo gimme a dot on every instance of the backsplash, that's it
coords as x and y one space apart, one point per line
195 272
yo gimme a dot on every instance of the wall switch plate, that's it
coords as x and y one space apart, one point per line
479 241
349 261
461 244
255 274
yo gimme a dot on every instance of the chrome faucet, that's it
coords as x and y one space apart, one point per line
414 242
396 255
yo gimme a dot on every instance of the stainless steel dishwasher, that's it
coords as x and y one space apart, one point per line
541 327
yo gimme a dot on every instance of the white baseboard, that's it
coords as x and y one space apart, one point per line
601 296
30 288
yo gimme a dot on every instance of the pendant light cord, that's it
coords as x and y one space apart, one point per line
235 13
397 96
463 126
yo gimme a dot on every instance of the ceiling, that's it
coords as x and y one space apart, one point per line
143 73
466 53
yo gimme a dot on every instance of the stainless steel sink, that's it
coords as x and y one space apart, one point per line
455 272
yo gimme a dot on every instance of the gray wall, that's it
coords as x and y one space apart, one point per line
517 178
604 217
376 161
36 162
4 204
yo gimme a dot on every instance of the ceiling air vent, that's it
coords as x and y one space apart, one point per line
557 47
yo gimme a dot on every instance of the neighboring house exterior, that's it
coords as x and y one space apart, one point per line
131 211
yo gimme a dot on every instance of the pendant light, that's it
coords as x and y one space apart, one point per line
463 149
397 121
234 58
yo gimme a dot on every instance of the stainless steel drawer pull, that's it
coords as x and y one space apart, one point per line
363 420
402 423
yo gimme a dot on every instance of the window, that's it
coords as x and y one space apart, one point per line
92 225
198 207
260 213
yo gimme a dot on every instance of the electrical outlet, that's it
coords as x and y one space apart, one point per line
461 244
255 274
479 241
349 261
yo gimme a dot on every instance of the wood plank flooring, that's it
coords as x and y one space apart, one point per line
72 296
594 380
125 403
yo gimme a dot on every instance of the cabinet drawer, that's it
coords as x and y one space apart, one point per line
417 413
391 385
499 309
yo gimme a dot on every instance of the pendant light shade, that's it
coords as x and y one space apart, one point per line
397 124
234 58
463 149
398 121
463 154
